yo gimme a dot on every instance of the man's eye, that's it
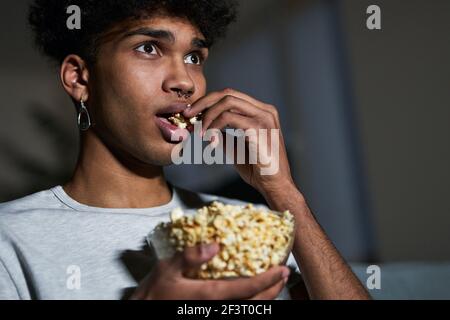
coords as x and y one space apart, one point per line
148 48
193 58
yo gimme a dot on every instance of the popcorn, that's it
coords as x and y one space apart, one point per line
181 122
195 119
176 214
178 120
251 239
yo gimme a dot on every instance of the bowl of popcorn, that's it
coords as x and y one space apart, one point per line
251 239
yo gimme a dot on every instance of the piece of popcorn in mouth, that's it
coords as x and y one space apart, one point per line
178 120
181 122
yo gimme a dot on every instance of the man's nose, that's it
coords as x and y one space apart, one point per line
179 81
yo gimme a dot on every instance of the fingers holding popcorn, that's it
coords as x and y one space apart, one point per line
231 105
213 97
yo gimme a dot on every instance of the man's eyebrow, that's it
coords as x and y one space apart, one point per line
165 35
154 33
200 43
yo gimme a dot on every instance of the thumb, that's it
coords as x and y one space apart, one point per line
189 261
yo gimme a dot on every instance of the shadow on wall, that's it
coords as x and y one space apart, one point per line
37 172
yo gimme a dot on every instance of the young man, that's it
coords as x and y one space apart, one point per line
131 63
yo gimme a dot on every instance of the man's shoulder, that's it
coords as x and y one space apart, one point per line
37 200
25 209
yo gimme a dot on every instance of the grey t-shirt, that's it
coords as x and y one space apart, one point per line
53 247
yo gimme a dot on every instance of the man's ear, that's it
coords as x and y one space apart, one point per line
74 77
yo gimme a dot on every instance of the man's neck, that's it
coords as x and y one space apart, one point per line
103 180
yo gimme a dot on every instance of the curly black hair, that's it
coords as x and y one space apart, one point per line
47 19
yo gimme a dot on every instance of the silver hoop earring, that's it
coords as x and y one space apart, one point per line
84 120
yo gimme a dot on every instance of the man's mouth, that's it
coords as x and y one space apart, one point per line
177 119
173 125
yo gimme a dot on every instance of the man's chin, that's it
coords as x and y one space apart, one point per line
163 156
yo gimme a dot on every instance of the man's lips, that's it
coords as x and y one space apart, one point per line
173 108
171 132
168 128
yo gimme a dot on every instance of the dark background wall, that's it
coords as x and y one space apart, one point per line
401 78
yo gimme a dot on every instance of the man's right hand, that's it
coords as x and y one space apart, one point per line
168 280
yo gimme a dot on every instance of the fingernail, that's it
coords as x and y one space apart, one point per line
209 248
285 273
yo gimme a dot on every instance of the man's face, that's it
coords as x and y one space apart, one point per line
139 70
